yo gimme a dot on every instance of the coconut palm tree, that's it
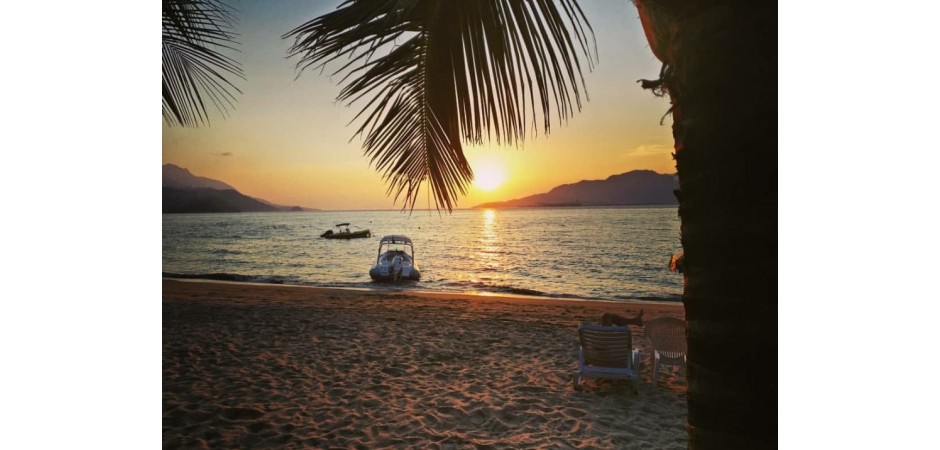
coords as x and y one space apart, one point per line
195 69
464 71
432 74
475 70
720 72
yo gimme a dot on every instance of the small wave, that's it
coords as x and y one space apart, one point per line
517 291
225 251
495 288
226 277
650 298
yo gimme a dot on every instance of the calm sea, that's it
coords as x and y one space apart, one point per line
597 253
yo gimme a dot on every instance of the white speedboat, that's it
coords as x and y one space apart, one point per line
396 260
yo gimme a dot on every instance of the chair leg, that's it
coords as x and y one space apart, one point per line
655 370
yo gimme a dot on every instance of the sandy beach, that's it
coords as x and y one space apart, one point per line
286 367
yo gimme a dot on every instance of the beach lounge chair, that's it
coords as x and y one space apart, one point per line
607 352
668 341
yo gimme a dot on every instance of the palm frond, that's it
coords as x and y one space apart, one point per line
431 74
195 33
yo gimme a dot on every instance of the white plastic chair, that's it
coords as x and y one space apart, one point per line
668 341
607 352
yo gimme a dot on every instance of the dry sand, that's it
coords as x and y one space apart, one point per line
250 366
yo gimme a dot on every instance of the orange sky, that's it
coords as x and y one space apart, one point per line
288 142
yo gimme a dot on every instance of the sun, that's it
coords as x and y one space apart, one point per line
488 175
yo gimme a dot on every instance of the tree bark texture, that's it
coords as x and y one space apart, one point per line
720 72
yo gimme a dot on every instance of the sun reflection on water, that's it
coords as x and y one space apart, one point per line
488 216
489 253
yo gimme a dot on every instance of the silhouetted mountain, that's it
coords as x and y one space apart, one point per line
177 177
205 200
184 192
639 187
284 208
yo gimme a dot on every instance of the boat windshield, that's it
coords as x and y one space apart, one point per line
396 247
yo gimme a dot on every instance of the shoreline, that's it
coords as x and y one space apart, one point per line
432 293
258 365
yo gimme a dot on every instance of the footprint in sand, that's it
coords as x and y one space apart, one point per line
241 413
393 371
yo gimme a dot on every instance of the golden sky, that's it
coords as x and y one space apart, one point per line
287 140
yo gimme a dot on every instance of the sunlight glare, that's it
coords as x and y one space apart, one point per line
489 175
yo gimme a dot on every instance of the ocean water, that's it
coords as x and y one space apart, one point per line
614 253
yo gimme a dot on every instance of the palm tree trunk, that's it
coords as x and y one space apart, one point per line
720 71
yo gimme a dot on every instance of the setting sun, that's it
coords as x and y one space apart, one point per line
488 175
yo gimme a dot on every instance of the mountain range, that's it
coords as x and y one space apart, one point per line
638 187
184 192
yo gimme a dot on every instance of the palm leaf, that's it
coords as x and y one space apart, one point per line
431 74
195 32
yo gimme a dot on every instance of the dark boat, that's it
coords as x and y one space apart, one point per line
345 233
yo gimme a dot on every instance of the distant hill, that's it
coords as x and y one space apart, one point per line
205 200
177 177
638 187
184 192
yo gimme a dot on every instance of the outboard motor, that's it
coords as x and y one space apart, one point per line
396 268
327 233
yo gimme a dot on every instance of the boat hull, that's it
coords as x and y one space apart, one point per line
386 274
351 235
